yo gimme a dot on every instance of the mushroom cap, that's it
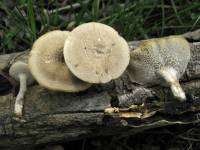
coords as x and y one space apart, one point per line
95 53
156 54
18 68
47 64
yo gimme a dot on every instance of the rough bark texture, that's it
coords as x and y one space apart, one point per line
57 116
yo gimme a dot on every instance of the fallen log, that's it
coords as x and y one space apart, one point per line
53 117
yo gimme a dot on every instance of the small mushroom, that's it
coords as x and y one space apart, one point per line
96 53
21 73
160 61
47 64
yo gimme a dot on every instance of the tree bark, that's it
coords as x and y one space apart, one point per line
57 116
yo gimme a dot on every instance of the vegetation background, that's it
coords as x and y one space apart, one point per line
23 21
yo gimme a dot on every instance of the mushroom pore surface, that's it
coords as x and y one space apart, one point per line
156 54
95 53
48 66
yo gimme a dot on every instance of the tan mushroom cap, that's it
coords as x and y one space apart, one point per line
47 64
18 68
95 53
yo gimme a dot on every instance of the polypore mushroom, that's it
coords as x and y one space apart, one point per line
158 60
95 53
47 64
21 73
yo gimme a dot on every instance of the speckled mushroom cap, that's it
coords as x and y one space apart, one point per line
95 53
20 68
47 64
153 55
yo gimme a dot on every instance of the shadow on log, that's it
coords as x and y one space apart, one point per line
57 116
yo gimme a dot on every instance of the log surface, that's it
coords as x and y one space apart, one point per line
57 116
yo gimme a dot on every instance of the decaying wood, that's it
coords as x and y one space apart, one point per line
57 116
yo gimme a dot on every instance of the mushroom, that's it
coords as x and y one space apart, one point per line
95 53
158 60
21 73
47 65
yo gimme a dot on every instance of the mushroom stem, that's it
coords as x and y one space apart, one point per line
20 96
170 76
178 91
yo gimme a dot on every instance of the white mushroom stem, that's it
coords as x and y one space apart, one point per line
20 96
170 76
178 91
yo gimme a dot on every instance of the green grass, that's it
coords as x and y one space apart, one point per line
31 20
25 20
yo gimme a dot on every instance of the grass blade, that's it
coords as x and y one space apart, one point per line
31 19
